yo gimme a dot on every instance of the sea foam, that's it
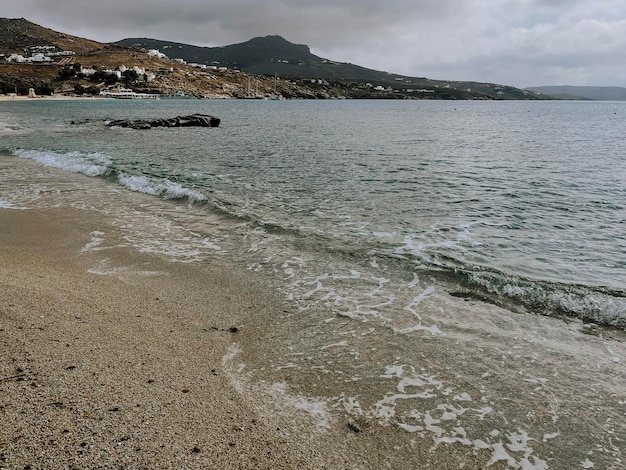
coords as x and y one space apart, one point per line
159 187
90 164
8 205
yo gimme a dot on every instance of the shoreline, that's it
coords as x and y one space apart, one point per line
120 359
144 363
99 371
54 98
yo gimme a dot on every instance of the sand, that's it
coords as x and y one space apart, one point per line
133 370
98 372
138 364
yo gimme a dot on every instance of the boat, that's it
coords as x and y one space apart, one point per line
128 94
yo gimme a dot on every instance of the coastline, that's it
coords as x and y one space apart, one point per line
134 365
55 98
98 371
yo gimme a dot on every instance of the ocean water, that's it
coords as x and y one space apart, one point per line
523 202
378 222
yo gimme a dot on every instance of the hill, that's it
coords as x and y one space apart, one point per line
274 55
583 92
267 55
17 35
53 62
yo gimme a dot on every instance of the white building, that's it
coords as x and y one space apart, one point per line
38 57
156 53
117 73
16 58
88 72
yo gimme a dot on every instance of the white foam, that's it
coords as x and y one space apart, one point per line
94 244
500 454
90 164
414 282
587 464
334 345
316 409
553 435
417 299
352 405
462 397
8 127
159 187
8 205
433 329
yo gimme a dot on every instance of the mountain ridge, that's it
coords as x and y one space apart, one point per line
271 54
274 55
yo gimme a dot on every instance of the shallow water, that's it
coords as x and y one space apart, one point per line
364 217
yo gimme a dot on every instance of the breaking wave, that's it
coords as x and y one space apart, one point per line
95 164
90 164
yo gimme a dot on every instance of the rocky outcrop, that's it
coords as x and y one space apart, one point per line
193 120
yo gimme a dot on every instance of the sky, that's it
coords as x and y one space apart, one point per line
521 43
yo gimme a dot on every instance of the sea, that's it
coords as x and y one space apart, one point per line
358 214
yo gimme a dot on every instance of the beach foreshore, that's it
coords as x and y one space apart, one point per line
99 371
113 358
130 365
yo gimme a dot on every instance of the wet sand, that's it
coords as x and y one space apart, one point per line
146 363
101 372
134 369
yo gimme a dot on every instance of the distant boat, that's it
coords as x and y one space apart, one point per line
128 94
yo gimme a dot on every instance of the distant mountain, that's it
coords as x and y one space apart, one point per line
267 55
613 93
272 55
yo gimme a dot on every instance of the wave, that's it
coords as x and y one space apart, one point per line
90 164
8 205
159 187
7 127
96 164
604 306
432 252
600 305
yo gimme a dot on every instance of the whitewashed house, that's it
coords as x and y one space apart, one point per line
156 53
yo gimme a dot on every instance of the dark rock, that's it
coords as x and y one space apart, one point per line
193 120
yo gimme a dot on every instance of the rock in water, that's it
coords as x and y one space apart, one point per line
193 120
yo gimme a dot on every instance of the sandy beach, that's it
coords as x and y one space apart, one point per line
99 372
133 366
133 369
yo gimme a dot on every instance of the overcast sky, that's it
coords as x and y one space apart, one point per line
513 42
